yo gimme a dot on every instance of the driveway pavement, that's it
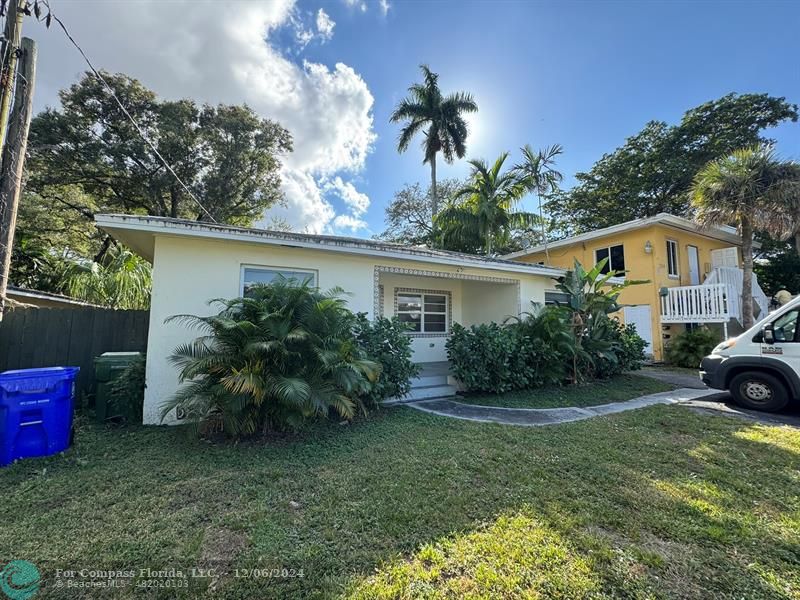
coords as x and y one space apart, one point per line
677 378
722 403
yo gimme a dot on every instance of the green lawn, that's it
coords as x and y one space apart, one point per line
616 389
659 502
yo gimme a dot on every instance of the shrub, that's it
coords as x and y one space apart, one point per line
126 392
486 358
541 349
385 341
689 347
282 355
627 350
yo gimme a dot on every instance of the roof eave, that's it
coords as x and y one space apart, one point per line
122 223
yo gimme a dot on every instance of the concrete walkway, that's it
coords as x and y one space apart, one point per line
532 417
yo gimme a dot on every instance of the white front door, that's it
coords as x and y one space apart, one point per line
694 265
639 316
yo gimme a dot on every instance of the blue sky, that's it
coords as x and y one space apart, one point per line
585 75
582 74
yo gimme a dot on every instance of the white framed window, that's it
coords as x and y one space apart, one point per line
615 256
425 311
673 270
252 275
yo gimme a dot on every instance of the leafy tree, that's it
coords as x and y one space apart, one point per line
750 188
443 116
409 216
486 214
86 157
272 360
539 176
777 265
653 171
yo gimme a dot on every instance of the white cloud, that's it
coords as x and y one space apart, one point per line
190 52
384 6
358 202
325 25
360 4
349 222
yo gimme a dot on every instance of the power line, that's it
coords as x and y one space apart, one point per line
127 114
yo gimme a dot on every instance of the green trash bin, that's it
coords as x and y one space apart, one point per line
107 367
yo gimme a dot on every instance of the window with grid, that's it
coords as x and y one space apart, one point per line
425 312
615 256
672 258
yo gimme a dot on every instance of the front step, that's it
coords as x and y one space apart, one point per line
426 392
426 388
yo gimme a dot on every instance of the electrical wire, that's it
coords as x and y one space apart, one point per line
128 115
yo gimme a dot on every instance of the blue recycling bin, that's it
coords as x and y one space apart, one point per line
36 408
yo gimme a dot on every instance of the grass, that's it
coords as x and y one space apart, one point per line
656 503
616 389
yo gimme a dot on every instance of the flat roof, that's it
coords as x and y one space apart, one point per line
138 233
12 290
725 234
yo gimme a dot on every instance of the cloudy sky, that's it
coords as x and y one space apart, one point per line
582 74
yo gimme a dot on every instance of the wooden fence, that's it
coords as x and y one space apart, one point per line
69 337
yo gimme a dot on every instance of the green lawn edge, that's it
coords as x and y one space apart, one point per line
617 389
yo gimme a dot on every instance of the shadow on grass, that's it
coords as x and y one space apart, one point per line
657 502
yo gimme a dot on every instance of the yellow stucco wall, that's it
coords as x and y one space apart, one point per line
641 265
187 272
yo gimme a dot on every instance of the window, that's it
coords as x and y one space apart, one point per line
785 327
556 297
616 256
252 276
672 259
425 312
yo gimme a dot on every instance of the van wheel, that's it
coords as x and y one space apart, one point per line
759 391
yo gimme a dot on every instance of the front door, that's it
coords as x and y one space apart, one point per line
694 265
639 316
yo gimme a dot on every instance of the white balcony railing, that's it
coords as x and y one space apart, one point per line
697 304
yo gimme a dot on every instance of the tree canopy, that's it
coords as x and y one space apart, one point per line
653 171
86 157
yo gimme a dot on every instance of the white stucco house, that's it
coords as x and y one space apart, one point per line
194 262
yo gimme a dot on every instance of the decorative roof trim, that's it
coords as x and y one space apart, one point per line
726 234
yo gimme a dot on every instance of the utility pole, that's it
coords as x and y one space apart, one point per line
13 157
8 54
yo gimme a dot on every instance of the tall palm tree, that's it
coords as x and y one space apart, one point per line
751 188
485 210
444 118
538 174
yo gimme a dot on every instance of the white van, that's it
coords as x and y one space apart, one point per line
761 367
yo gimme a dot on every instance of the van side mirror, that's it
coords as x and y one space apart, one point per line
768 334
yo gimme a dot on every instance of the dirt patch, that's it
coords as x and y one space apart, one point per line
220 548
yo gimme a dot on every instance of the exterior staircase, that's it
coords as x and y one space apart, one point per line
432 382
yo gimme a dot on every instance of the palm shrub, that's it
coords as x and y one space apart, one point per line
690 346
386 342
271 360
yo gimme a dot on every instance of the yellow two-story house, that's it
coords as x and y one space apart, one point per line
694 274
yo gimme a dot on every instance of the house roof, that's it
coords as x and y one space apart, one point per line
725 234
26 293
138 233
